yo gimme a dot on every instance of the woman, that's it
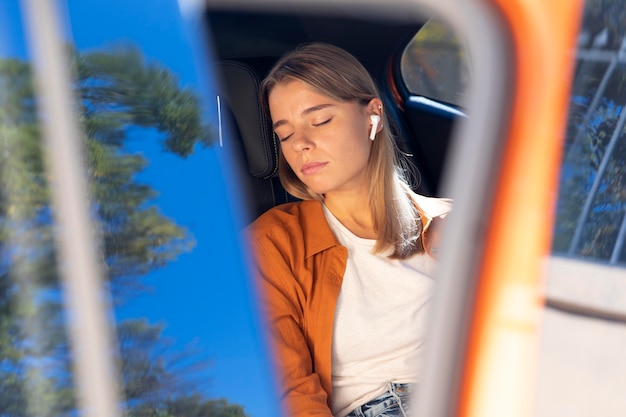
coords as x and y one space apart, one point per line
345 274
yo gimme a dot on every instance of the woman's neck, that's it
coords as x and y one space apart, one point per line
354 212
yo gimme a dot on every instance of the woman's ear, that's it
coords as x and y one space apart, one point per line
375 106
375 111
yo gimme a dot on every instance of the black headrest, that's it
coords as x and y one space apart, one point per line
238 85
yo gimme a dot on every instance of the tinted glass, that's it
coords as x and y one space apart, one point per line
165 224
435 64
591 197
582 371
185 317
36 377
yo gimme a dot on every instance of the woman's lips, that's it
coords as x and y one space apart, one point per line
311 168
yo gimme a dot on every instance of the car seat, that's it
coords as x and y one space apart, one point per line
248 137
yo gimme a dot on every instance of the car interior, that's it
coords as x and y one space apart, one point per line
245 44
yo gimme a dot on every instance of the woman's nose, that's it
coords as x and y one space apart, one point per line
301 142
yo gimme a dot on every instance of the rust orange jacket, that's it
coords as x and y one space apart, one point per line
299 266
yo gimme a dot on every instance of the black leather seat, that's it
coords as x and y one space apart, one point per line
248 137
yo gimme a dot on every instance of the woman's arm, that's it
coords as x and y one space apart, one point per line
282 300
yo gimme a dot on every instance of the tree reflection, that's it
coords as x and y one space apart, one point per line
593 172
120 96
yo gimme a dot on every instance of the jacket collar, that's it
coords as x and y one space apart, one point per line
317 233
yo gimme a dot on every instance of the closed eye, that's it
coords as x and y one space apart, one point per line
322 123
285 138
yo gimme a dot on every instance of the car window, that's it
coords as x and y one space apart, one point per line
590 211
186 330
34 358
435 64
584 325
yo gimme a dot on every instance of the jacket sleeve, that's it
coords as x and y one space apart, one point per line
282 300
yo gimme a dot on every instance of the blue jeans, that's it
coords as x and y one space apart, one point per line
393 403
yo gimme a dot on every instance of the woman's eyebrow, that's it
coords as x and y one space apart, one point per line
315 108
304 113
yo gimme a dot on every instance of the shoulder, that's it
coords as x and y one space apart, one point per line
298 228
291 224
286 216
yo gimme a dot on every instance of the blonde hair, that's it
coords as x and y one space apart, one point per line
338 75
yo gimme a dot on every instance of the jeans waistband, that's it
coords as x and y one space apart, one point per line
396 393
399 388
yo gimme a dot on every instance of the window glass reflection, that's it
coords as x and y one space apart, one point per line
435 64
188 339
583 331
35 360
185 325
591 198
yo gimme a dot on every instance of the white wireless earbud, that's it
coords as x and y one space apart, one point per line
375 120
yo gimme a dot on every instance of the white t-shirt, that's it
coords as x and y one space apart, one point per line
379 321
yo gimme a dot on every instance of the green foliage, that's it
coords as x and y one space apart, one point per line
119 89
603 222
196 406
589 132
191 406
121 97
